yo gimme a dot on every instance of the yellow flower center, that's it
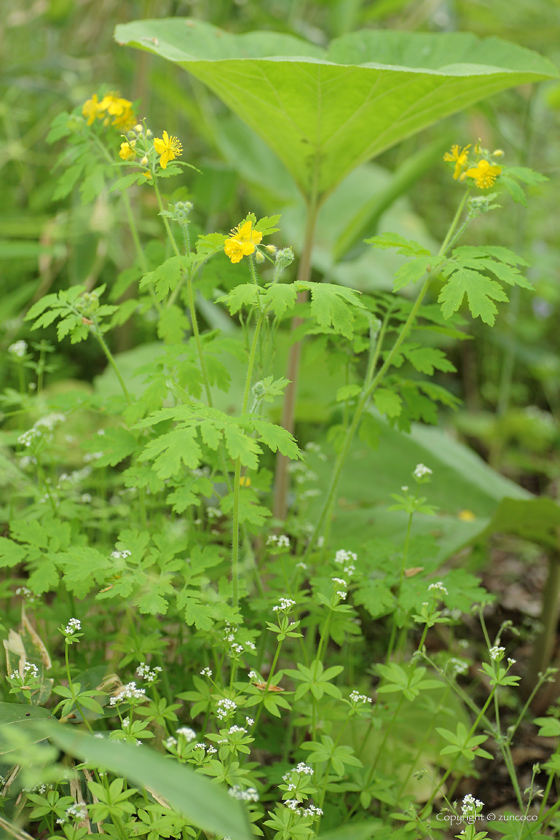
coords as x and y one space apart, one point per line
484 174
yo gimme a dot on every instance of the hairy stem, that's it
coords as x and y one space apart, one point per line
281 483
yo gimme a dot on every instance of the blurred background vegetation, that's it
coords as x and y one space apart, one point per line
56 53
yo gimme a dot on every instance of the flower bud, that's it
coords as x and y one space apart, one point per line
498 153
271 249
148 132
284 258
138 128
259 258
144 161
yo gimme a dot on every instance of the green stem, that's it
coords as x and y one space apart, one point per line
71 687
370 387
138 245
190 294
237 476
111 361
281 482
270 675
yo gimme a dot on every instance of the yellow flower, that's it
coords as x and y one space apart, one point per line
466 516
147 175
112 105
460 158
169 148
91 109
127 152
244 481
242 242
484 174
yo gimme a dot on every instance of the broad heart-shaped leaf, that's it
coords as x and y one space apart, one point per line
192 795
325 112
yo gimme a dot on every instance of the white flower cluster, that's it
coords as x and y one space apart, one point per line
438 588
496 653
225 708
312 811
187 733
49 421
457 666
75 477
27 438
356 697
78 811
73 626
120 555
421 470
302 769
470 804
341 583
281 541
211 750
92 456
18 348
149 674
236 647
346 559
170 742
26 593
128 692
206 672
234 729
248 795
29 670
285 605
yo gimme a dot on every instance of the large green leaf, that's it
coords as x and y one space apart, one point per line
466 490
25 717
325 112
195 797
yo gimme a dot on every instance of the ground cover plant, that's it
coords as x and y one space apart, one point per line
200 642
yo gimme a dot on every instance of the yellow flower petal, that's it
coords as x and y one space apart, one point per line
126 152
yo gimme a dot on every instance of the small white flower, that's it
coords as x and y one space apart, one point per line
496 653
225 708
511 661
304 769
147 673
250 721
206 672
18 348
421 470
438 588
120 555
128 692
281 541
73 626
285 605
234 729
248 795
187 733
170 742
356 697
